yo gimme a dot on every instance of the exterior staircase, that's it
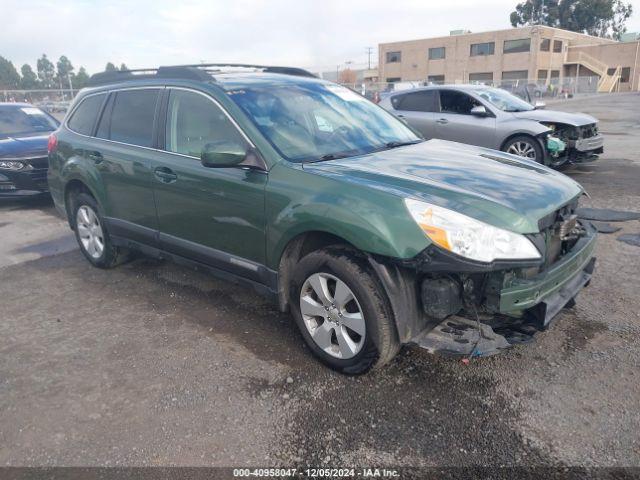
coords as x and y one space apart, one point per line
608 81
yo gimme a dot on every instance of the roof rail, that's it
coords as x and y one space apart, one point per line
201 72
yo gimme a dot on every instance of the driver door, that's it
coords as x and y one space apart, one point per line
212 215
456 123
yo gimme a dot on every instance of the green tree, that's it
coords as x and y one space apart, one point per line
123 67
29 79
81 79
110 67
602 18
64 71
9 77
46 72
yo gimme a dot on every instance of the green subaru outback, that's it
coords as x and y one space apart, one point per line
304 190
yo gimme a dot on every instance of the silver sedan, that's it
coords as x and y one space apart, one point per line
494 118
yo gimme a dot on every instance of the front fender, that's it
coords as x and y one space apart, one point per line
370 220
512 128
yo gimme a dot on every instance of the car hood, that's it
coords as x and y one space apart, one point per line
24 146
575 119
497 188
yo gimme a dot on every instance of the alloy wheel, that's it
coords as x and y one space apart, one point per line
90 231
522 149
332 315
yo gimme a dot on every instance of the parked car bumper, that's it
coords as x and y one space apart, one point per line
590 144
23 183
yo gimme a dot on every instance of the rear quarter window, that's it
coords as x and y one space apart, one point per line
84 117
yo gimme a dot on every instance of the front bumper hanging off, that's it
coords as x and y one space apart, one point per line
526 307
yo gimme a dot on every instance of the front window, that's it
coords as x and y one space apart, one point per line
504 100
17 120
319 121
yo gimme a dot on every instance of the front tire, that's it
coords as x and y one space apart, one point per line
525 146
92 235
342 312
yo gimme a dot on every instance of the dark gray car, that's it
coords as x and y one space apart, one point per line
494 118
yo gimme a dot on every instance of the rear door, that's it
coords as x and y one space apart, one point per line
456 123
418 109
123 158
213 215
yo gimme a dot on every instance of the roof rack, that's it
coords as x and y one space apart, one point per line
200 71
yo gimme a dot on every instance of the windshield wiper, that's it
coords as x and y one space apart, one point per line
396 144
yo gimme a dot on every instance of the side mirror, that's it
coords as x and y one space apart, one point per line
539 105
479 111
225 155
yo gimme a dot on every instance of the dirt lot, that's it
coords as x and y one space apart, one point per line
153 364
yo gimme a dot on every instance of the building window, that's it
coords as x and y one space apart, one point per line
545 45
611 71
437 79
483 77
436 53
555 77
482 49
393 79
517 46
625 74
557 46
542 75
394 57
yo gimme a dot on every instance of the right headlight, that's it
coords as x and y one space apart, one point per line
469 237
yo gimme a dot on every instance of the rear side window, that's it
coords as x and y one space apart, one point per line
84 117
417 102
132 117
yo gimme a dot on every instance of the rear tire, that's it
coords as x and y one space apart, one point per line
349 325
92 235
525 146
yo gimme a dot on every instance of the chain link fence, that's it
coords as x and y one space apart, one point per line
530 90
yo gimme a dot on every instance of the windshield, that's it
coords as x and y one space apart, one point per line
504 100
318 121
18 120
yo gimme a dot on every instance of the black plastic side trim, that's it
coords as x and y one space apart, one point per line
219 259
133 231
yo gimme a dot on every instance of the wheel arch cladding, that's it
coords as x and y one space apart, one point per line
297 248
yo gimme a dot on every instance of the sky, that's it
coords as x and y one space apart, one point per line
320 35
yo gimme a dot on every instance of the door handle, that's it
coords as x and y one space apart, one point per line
95 156
399 115
442 121
165 175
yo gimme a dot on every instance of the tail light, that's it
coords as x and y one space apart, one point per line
53 143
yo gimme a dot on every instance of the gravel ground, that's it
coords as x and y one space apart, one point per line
154 364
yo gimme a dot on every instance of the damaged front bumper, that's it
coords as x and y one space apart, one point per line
493 307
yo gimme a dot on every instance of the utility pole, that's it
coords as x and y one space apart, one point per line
369 51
